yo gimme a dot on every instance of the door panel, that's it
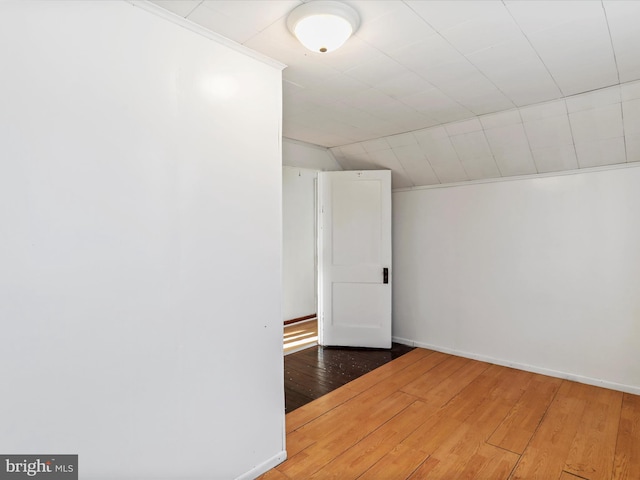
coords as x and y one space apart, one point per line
354 225
357 304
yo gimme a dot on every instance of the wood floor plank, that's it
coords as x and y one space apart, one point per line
432 433
273 474
517 429
363 455
366 400
393 368
295 397
592 452
399 464
483 390
545 456
509 386
402 377
445 390
336 440
499 465
430 415
442 428
425 384
309 380
487 462
300 335
319 406
442 435
627 456
475 393
297 441
464 452
569 476
312 373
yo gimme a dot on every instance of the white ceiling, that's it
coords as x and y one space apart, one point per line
449 91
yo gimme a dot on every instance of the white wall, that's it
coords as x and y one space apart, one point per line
301 163
540 273
140 256
306 155
299 242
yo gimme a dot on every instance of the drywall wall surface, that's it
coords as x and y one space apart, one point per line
301 163
304 155
299 242
140 232
539 273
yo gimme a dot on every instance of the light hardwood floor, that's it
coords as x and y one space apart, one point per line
299 336
428 415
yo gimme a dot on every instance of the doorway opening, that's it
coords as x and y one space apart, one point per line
350 247
299 264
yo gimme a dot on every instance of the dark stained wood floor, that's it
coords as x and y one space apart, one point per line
316 371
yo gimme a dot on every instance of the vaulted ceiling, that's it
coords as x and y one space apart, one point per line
450 91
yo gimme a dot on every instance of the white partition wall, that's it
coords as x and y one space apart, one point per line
140 245
539 273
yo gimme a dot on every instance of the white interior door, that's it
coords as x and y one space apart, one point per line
354 258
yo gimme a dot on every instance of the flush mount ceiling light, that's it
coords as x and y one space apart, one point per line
323 26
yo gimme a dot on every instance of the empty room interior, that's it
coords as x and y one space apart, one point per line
456 181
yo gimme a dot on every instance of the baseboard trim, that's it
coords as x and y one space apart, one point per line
522 366
300 319
404 341
264 466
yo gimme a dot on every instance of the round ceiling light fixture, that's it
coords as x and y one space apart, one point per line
323 26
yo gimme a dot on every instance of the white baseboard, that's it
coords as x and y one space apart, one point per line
264 466
403 341
522 366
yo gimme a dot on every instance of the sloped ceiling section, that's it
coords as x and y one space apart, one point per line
587 130
450 91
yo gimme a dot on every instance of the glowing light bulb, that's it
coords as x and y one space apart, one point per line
323 25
